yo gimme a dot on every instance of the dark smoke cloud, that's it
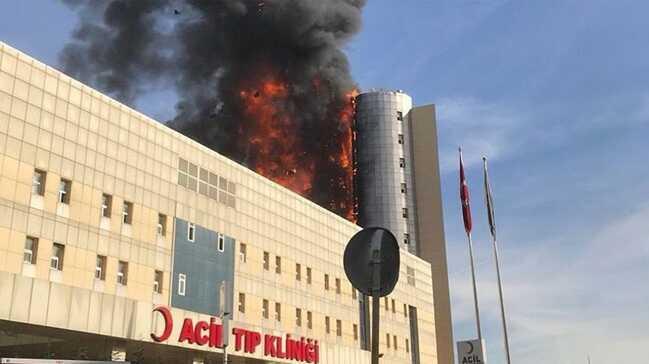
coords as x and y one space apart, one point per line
210 51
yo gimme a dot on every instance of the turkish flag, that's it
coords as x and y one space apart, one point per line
464 198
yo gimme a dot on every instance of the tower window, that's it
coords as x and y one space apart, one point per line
100 268
65 187
191 232
400 115
29 252
406 238
106 205
402 162
127 213
404 188
56 261
38 182
220 242
122 273
162 224
404 213
400 139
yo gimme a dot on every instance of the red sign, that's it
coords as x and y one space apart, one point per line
211 334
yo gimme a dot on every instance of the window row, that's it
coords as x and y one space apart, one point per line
57 256
394 345
206 183
65 195
191 236
393 306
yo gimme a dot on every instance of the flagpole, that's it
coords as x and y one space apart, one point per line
496 257
466 217
475 289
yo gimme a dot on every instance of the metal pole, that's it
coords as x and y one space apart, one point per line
225 354
475 289
376 308
502 301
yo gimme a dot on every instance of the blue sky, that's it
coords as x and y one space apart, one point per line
556 93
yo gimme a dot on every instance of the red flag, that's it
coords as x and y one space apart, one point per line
464 198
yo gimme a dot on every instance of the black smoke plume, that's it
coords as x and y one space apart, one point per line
225 59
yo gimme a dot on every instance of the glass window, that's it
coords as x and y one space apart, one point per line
337 285
406 238
278 311
242 303
266 261
354 295
404 212
400 115
339 328
402 162
405 310
309 320
327 324
298 317
278 265
400 139
404 188
100 268
410 272
31 248
183 165
298 272
127 212
106 205
243 253
193 170
264 308
182 284
387 303
65 188
56 260
220 245
38 182
394 307
191 232
162 224
157 281
394 342
308 275
122 273
387 340
407 346
326 282
355 328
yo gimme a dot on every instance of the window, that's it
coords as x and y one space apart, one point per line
157 281
309 320
387 340
410 272
339 328
404 212
405 310
243 252
266 261
394 307
354 295
191 232
65 188
106 205
387 303
400 115
122 273
406 238
278 265
337 285
394 342
100 268
38 182
404 188
402 162
355 329
220 242
298 317
400 138
298 272
326 281
278 312
242 303
56 260
407 345
31 248
162 225
308 275
127 212
264 309
327 324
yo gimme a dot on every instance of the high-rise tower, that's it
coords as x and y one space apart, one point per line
398 187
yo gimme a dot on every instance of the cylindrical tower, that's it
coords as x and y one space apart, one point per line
384 180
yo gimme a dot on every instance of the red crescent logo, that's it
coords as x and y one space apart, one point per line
169 324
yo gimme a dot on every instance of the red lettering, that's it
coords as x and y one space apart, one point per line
255 341
198 333
216 334
169 324
187 332
269 346
280 353
238 333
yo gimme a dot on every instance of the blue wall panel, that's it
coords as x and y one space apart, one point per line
205 267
